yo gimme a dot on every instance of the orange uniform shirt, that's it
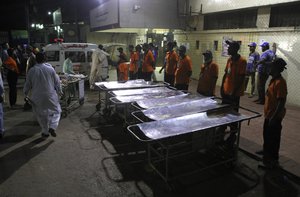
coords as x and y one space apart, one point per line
12 65
133 67
277 90
171 62
207 78
123 72
233 70
148 62
182 71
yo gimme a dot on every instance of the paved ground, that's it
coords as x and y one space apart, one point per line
91 159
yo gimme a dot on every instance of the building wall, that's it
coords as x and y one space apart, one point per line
102 38
210 6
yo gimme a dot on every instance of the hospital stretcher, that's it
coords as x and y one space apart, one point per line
171 139
73 92
105 87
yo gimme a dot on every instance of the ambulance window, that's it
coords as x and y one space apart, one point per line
79 56
89 56
52 56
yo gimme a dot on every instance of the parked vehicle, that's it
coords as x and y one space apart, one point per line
57 53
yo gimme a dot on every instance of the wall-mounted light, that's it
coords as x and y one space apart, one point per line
49 13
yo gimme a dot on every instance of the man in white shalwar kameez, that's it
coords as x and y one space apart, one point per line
44 85
99 68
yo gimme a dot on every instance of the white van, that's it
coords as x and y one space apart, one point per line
58 52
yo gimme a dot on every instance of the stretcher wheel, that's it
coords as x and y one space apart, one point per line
81 101
64 114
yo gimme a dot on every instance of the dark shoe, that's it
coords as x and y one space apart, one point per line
260 152
45 135
52 132
260 103
257 100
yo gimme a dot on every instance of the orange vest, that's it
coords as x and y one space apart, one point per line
148 62
123 72
171 62
133 62
182 71
233 70
277 90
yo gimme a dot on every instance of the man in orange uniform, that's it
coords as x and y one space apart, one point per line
122 58
232 87
148 64
170 64
123 69
208 75
184 70
274 111
133 67
12 77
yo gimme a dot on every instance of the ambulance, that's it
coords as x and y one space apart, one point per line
58 52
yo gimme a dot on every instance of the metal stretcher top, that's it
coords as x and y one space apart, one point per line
161 129
134 98
150 103
181 109
131 84
140 91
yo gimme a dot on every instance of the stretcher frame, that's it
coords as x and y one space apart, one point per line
161 151
68 102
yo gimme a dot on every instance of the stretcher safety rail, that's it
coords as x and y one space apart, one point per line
157 130
180 109
167 101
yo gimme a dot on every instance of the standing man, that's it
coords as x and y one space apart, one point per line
263 69
148 64
31 58
122 58
274 111
232 87
184 70
251 69
68 63
12 77
154 50
133 67
209 73
99 66
140 56
44 84
170 64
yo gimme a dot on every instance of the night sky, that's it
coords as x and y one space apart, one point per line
13 14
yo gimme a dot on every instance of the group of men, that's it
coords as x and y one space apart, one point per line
44 84
234 82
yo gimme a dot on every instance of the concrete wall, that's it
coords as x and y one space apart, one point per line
102 38
209 6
